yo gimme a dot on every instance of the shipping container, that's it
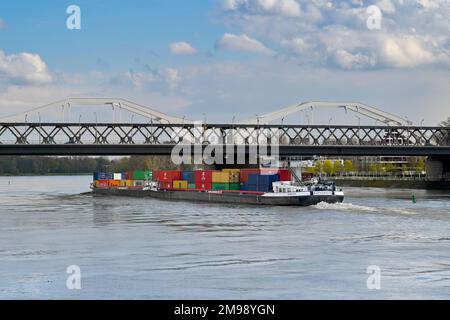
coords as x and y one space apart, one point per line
204 176
166 185
231 170
113 183
138 183
169 175
142 175
117 176
203 185
220 177
245 172
245 186
306 176
266 171
103 176
101 183
188 176
262 181
220 186
191 186
234 177
180 184
285 175
126 183
125 176
234 186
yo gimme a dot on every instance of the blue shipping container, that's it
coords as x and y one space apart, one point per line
103 176
263 180
188 176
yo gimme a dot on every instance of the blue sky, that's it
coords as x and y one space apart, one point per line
229 58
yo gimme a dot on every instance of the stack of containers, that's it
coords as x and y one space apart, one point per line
285 174
167 177
203 179
260 182
122 179
246 172
189 176
225 180
180 184
101 179
220 180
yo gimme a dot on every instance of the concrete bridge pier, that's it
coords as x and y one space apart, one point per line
438 168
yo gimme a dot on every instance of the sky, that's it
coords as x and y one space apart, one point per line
219 59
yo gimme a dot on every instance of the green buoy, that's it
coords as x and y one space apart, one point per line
413 198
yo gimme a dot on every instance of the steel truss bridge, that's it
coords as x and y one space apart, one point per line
160 138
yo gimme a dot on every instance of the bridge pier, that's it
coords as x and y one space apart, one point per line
438 168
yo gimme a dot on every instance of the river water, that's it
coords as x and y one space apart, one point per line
153 249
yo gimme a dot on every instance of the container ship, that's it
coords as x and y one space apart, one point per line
274 186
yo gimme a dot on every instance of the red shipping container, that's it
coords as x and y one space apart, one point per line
169 175
203 185
166 185
285 175
203 176
102 183
269 171
306 176
246 172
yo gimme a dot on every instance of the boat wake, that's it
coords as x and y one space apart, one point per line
360 208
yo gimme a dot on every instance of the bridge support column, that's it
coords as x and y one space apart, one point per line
438 168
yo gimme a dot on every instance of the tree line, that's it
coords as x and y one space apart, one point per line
43 165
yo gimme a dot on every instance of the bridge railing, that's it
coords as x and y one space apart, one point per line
169 134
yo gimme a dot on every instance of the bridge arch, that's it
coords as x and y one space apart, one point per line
110 102
363 109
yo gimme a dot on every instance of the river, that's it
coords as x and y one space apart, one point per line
129 248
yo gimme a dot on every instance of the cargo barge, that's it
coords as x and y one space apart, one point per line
247 186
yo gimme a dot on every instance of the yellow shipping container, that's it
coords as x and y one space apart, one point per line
126 183
231 170
234 177
180 184
220 177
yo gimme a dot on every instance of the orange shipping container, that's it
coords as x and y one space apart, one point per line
113 183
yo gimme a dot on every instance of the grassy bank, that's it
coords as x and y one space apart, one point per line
399 184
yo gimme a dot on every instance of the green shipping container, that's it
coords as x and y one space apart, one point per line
235 186
191 186
220 186
142 175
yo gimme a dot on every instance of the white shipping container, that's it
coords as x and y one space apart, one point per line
117 176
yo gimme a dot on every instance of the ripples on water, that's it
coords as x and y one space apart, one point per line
147 248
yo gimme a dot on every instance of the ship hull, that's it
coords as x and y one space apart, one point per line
301 199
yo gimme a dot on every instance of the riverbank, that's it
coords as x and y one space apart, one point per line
398 184
44 174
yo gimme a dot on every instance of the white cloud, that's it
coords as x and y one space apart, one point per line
172 77
432 4
2 23
24 68
386 6
242 43
181 48
139 79
405 52
297 45
347 60
414 32
287 8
